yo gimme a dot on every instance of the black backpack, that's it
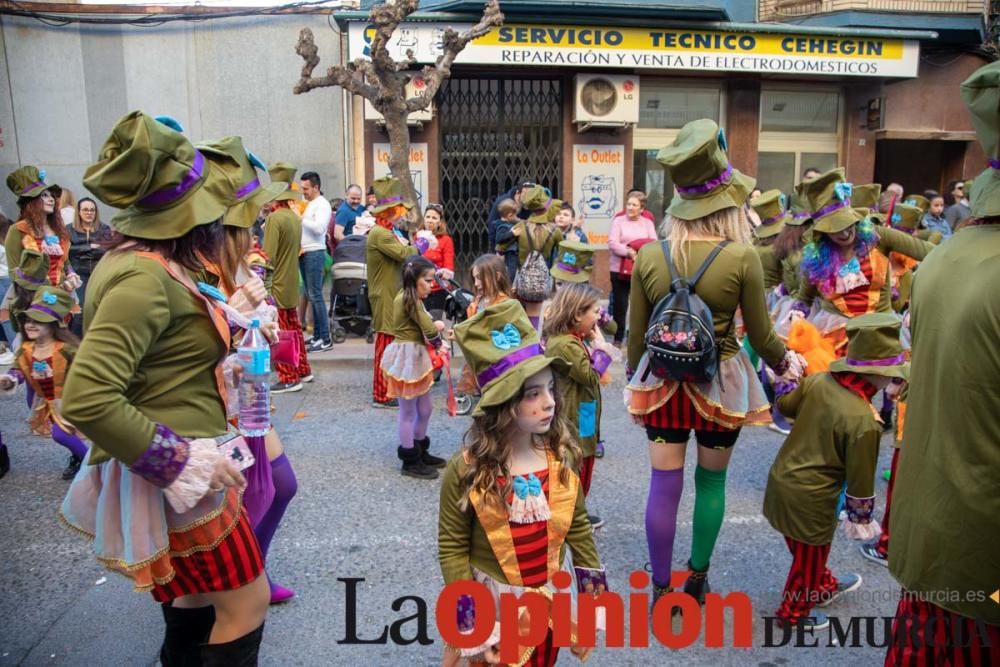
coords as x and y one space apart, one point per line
680 339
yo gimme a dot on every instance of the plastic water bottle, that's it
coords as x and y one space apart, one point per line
254 355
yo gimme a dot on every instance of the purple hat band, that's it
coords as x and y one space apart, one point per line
43 309
773 219
835 206
389 200
175 192
28 279
506 363
544 207
707 186
36 184
248 188
994 163
891 361
568 268
800 216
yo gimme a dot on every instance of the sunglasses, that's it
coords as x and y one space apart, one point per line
435 207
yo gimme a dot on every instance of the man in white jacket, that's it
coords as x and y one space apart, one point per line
313 258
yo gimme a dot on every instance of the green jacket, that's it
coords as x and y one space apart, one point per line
835 439
580 389
463 542
770 264
790 276
148 357
946 495
384 255
734 280
282 241
552 242
405 329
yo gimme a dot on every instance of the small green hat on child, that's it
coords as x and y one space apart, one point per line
573 262
238 167
50 305
873 347
770 207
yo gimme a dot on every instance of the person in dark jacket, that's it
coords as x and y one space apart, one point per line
494 217
87 239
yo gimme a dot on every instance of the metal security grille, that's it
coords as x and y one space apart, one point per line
493 132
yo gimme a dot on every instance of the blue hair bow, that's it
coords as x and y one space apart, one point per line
42 174
170 122
49 298
255 161
782 200
910 202
569 258
842 191
506 338
523 487
722 139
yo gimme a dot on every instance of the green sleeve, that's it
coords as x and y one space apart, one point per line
807 291
580 536
272 233
426 322
454 527
639 309
790 403
130 317
893 240
580 370
389 246
755 316
14 246
862 460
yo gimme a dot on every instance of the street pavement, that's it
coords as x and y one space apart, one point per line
356 517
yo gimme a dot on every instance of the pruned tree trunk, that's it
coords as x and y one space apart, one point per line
382 80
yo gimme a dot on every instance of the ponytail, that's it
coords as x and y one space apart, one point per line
413 268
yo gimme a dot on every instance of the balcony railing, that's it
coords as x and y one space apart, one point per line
781 10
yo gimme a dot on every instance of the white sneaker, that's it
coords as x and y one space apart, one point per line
777 429
6 358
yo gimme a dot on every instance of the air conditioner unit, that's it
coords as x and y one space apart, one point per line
413 88
606 100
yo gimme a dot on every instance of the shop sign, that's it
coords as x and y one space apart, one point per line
598 187
655 48
418 166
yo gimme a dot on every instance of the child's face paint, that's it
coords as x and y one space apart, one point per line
587 320
537 408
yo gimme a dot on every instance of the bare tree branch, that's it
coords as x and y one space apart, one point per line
335 76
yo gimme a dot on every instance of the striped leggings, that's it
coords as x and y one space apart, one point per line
925 635
808 580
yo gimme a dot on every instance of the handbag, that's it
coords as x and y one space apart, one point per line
628 263
284 350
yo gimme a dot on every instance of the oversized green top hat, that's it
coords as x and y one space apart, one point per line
830 200
27 182
51 304
873 347
573 263
906 217
503 350
865 200
981 94
284 172
165 186
770 206
704 179
389 193
801 215
238 167
33 270
921 202
540 203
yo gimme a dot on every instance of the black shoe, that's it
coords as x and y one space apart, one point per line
658 592
4 461
241 652
72 467
187 630
413 466
320 346
697 584
391 403
285 387
426 457
595 521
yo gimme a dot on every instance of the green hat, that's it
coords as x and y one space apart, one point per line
503 350
27 182
573 262
51 304
388 193
770 206
238 167
830 200
921 202
873 347
165 186
540 203
284 172
699 168
801 215
865 200
33 270
981 94
906 217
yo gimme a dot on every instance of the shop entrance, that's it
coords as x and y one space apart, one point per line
494 131
918 164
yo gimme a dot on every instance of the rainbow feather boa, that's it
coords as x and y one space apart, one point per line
821 259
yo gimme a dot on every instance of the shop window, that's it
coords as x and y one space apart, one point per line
650 176
799 129
664 105
799 111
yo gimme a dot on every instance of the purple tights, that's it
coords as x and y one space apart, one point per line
665 489
285 486
414 416
70 441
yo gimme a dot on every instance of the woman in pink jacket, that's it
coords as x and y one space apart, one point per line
629 232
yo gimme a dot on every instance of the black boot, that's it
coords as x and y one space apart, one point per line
697 584
413 466
885 412
72 467
4 459
187 630
425 455
658 592
241 652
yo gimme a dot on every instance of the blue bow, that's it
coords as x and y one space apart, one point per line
842 191
506 338
170 122
522 486
49 298
569 258
722 139
910 202
42 174
255 161
782 200
39 366
211 292
852 266
52 240
896 218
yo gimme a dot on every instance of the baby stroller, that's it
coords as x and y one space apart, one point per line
456 309
350 310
